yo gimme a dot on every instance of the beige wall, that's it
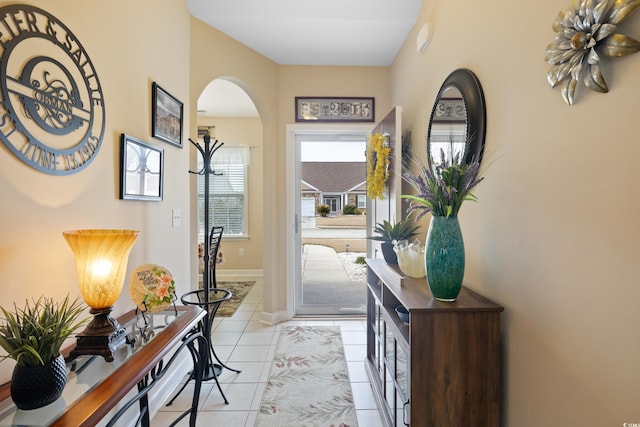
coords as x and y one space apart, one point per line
554 235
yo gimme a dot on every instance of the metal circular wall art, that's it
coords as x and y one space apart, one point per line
51 107
582 36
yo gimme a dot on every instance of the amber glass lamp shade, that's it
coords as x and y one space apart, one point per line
101 261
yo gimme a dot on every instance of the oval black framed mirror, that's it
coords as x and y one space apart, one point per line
457 125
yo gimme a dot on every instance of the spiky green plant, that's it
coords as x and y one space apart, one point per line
388 232
34 334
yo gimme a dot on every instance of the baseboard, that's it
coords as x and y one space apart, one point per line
222 274
273 318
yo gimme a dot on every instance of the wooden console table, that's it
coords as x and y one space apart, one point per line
96 387
442 368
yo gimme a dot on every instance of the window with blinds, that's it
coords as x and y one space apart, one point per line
362 201
227 191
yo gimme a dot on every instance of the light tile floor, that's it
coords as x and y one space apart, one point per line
245 343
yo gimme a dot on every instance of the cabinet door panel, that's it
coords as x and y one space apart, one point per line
402 369
378 335
389 391
390 349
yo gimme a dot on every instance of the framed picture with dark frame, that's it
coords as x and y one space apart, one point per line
141 170
166 116
336 109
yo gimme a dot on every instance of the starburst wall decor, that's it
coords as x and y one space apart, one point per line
583 35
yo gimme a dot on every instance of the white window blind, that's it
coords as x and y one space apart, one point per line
227 191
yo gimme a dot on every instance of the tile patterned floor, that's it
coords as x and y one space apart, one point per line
245 343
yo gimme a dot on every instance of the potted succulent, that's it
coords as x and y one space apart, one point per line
388 232
32 336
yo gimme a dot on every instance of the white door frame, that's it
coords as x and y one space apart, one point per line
294 257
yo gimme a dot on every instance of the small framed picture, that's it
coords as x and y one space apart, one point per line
141 170
166 116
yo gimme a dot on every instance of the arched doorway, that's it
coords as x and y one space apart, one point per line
227 114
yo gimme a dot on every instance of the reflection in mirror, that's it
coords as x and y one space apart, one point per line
457 123
448 126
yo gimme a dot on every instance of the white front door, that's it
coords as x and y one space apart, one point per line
316 282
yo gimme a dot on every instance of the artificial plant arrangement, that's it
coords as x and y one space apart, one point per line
34 334
442 189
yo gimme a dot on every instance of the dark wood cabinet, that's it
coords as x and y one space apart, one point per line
442 367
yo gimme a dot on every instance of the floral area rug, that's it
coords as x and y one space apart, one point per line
239 291
308 385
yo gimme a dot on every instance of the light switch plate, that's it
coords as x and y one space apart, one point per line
176 218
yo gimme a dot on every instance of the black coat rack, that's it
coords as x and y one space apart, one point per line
207 153
210 369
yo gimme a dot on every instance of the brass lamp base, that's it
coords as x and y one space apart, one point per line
102 336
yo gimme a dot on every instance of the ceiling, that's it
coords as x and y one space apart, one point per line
306 32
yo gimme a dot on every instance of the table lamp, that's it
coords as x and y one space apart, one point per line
101 261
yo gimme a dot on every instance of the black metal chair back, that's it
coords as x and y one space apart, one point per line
215 238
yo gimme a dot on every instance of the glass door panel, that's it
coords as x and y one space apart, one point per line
328 281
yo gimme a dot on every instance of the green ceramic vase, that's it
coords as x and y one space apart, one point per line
444 258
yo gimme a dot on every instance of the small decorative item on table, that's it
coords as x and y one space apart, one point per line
152 287
410 257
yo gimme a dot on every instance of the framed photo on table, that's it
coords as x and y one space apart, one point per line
166 116
340 109
141 170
